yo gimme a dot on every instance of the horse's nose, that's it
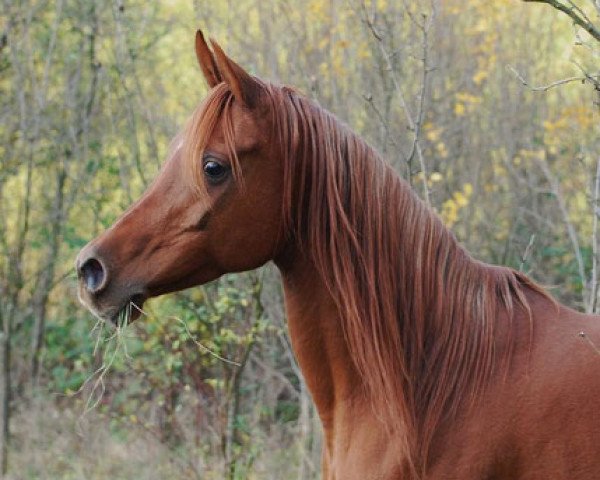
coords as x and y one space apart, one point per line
91 272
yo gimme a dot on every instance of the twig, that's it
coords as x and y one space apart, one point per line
404 104
202 347
555 186
369 99
545 88
572 13
427 23
577 9
527 252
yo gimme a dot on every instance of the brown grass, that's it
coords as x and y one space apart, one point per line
55 443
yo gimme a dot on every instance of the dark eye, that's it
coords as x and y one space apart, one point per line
215 172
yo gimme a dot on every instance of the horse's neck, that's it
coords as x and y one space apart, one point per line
317 338
351 432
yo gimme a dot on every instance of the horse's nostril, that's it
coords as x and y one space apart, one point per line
93 275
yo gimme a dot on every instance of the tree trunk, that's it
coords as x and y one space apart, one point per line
47 276
4 399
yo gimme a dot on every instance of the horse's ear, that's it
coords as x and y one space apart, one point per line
244 86
207 62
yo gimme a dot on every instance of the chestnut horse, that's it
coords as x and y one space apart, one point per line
422 361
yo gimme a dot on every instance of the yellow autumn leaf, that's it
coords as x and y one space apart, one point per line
459 109
433 134
460 199
479 77
441 150
436 177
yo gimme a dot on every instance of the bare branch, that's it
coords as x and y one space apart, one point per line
576 8
527 252
573 13
571 231
545 88
412 121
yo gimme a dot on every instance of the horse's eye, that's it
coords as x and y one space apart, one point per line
215 172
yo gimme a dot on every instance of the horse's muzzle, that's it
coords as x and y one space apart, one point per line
103 295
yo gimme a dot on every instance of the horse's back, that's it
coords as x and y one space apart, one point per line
541 420
558 422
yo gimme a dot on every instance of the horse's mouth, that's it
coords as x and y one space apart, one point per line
131 310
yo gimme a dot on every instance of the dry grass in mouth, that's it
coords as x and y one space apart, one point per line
114 342
111 343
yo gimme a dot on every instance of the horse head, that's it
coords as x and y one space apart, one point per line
215 207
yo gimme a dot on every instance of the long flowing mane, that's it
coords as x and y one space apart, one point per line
419 314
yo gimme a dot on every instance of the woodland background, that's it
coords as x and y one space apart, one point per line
489 108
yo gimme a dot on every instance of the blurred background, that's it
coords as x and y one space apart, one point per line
489 109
